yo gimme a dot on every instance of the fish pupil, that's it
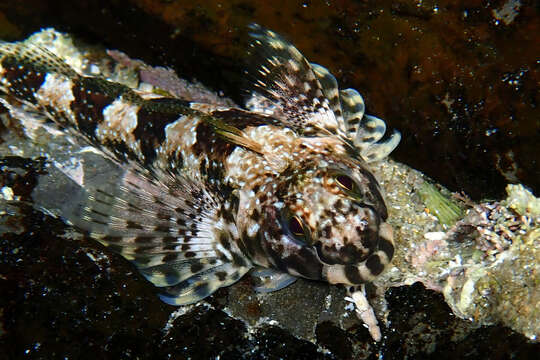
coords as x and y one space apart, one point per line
295 226
345 182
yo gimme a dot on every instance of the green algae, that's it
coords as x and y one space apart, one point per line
444 208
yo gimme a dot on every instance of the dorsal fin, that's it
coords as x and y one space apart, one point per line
330 90
366 131
26 53
353 108
287 80
381 148
305 97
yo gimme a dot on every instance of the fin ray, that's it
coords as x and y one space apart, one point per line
353 108
288 81
370 130
330 89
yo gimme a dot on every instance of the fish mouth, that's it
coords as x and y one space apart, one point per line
367 269
335 272
349 254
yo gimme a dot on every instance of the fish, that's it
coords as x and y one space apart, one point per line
195 194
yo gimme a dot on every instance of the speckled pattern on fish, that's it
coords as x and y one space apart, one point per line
208 192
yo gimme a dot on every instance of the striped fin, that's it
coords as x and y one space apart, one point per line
353 108
172 231
179 242
175 230
287 80
367 132
370 130
382 148
203 284
330 89
305 97
175 272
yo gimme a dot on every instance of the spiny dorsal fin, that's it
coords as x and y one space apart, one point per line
330 89
287 80
381 148
370 130
366 131
305 97
353 108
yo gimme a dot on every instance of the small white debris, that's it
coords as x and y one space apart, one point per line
327 301
91 256
94 69
436 235
7 193
100 257
173 316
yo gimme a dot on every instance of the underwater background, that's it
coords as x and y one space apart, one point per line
459 79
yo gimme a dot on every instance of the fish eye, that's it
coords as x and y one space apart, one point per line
345 182
296 227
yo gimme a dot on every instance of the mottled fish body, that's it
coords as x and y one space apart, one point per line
207 192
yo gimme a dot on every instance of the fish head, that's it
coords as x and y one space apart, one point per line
328 223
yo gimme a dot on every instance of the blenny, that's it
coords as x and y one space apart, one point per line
207 192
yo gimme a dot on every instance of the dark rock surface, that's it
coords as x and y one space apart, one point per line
457 78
